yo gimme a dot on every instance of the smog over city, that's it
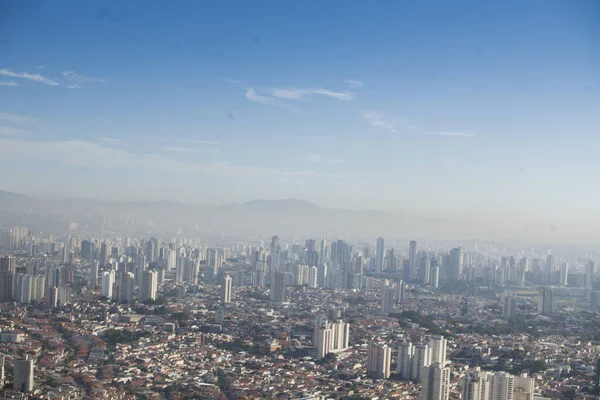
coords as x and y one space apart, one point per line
299 200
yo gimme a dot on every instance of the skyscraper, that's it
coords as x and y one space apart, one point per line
94 275
379 255
421 358
149 286
546 302
278 289
475 385
412 258
126 288
387 298
226 289
564 274
108 280
434 281
590 274
455 264
400 291
438 346
23 375
378 360
509 309
502 386
406 353
436 382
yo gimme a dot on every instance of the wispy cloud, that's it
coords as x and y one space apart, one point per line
17 119
317 158
253 96
451 133
77 153
200 141
9 130
377 120
299 94
113 140
32 77
176 149
75 77
8 83
353 83
314 157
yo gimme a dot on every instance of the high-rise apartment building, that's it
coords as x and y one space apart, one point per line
406 352
330 337
564 274
149 286
379 358
435 382
412 259
278 289
379 252
226 289
475 385
438 345
108 281
509 309
502 386
421 358
546 302
126 287
23 375
387 298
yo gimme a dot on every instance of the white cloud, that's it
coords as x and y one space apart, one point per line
8 83
376 119
176 149
73 86
32 77
113 140
81 153
9 130
17 119
298 94
75 77
451 133
353 83
317 158
200 141
314 157
253 96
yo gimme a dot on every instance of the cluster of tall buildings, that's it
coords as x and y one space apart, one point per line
412 361
484 385
413 358
331 334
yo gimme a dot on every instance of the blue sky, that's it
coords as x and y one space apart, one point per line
438 107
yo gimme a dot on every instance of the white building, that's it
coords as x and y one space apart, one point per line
226 289
438 346
149 286
421 359
379 357
436 382
406 352
108 281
